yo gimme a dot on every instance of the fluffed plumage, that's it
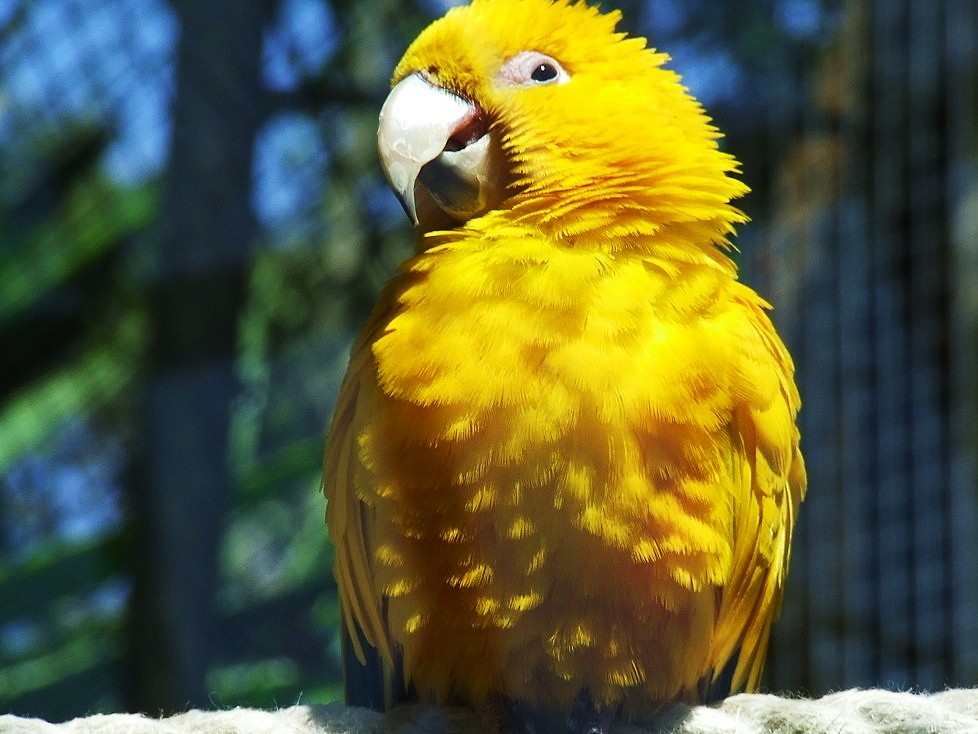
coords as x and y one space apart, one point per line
564 463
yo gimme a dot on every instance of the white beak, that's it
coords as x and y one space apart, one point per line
432 139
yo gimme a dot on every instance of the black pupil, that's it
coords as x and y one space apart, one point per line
543 73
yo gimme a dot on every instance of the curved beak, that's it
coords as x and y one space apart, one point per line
433 143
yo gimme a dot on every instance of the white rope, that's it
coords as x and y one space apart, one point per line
848 712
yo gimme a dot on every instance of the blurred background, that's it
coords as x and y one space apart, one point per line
193 226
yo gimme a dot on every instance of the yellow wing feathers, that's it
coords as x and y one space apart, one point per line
642 455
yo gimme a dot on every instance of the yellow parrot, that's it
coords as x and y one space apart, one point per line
564 466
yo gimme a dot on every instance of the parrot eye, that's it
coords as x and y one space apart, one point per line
531 69
544 73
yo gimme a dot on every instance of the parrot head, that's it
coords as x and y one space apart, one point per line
540 110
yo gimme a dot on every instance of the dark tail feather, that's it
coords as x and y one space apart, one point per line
368 685
719 689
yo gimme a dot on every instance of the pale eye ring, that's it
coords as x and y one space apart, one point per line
531 69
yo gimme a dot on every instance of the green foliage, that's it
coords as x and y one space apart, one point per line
94 217
59 631
76 293
85 385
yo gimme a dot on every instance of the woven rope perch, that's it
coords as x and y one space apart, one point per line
856 711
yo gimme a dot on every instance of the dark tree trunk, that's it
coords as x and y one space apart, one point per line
183 481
